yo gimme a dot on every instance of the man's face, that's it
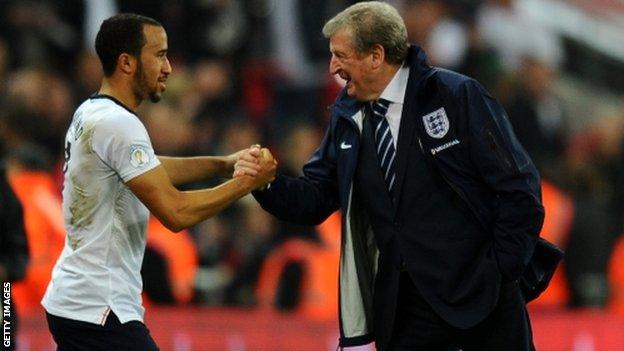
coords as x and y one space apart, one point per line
153 67
354 67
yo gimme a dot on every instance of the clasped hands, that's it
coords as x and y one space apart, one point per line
257 162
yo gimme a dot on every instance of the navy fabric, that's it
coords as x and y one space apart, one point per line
372 197
476 155
71 335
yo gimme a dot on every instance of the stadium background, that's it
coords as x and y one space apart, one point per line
248 71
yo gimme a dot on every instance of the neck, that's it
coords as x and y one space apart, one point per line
386 74
121 91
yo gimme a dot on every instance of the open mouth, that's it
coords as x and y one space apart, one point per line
344 77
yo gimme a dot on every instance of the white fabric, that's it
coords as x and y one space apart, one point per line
99 268
395 93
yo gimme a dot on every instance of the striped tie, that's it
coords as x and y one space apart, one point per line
384 142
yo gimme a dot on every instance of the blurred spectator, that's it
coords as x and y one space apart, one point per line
172 132
596 180
214 273
538 118
447 30
298 255
430 25
13 248
42 33
4 62
197 28
213 99
515 35
254 239
28 168
169 266
297 147
299 54
480 60
221 249
239 134
95 12
299 276
87 76
219 28
36 111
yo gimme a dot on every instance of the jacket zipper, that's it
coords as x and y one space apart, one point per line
494 145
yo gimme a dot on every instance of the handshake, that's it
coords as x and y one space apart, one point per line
257 163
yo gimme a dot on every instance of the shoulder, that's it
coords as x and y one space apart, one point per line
105 114
456 84
108 121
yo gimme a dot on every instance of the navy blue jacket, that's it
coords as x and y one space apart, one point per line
466 135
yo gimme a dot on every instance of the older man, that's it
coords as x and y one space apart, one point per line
441 205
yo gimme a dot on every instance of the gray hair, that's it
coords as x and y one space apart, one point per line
371 23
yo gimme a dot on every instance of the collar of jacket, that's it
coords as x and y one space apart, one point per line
346 106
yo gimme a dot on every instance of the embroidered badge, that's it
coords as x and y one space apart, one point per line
436 123
139 156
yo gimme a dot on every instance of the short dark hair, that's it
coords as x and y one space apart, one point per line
122 33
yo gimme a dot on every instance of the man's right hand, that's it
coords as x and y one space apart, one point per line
248 162
258 163
268 167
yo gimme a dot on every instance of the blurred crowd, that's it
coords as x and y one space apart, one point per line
255 71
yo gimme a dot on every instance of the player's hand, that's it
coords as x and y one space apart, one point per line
268 166
247 162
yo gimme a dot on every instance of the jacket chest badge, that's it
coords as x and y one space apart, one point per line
436 123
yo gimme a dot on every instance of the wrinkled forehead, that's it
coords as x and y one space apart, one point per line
341 40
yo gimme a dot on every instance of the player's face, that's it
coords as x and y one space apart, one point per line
153 67
352 66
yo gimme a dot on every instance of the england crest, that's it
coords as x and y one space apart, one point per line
436 123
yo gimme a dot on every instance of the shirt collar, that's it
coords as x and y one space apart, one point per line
395 90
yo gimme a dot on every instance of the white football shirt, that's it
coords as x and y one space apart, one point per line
99 269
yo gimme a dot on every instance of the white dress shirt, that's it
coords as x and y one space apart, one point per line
395 93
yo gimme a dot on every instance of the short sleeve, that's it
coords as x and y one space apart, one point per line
122 142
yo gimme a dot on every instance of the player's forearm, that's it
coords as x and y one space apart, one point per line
183 170
196 206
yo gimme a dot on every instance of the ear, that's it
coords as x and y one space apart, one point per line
127 63
378 55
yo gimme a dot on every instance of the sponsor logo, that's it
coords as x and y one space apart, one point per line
435 150
345 146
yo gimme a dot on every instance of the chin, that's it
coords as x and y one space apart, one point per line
155 97
354 95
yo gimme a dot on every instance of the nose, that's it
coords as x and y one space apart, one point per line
333 65
167 67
